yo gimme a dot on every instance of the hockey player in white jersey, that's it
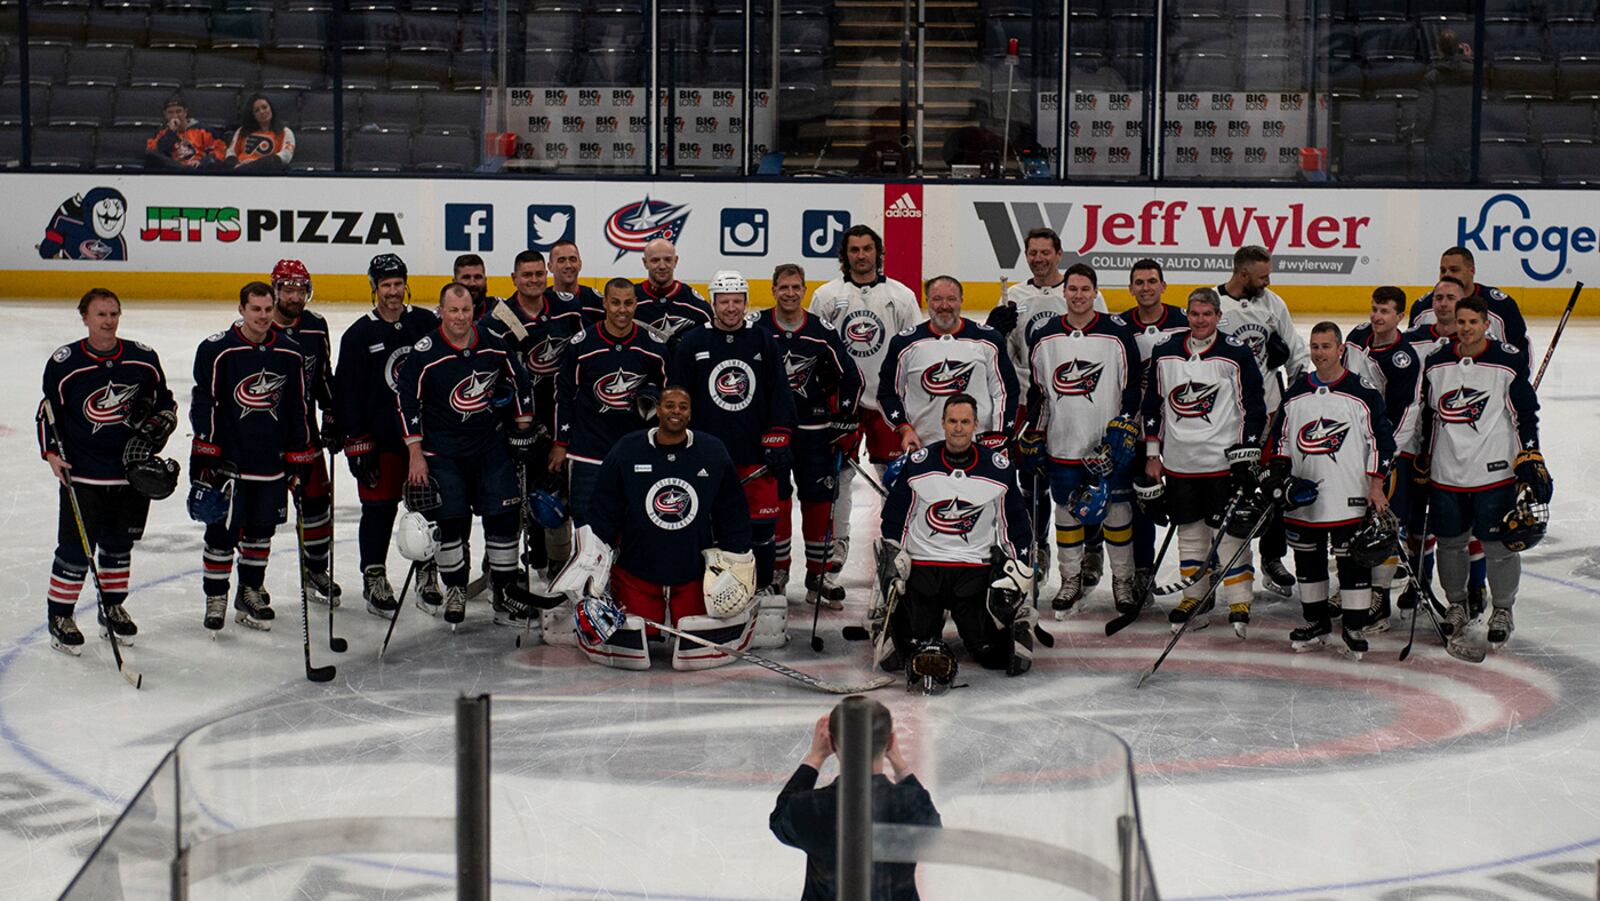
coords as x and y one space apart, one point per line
1254 314
1042 297
1085 401
867 309
1331 433
948 354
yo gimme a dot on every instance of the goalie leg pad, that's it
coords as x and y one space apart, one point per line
625 649
735 632
556 625
589 569
771 621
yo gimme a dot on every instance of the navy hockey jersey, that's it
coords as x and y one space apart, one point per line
1505 317
1149 334
951 514
1395 369
250 403
737 385
588 301
822 374
601 379
448 394
660 506
310 331
922 368
670 311
1335 435
370 352
1480 411
1082 379
539 346
1197 405
93 395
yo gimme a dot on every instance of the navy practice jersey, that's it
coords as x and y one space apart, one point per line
250 403
1149 334
588 301
1396 369
822 374
452 398
539 342
950 513
1479 412
670 311
601 380
1082 379
370 352
923 367
737 386
1505 317
660 505
1335 435
311 332
94 396
1199 404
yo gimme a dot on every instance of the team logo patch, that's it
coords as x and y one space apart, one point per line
1194 399
544 359
471 394
259 393
108 404
1464 406
864 332
61 354
669 325
1401 360
391 366
1077 378
732 384
953 517
798 368
615 391
671 504
948 377
1322 437
633 226
1251 335
918 455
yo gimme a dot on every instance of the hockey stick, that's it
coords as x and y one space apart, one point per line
827 555
805 679
1124 620
1211 554
1425 598
127 672
314 673
1560 327
400 602
871 479
335 644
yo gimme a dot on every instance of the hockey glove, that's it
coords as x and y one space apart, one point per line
1122 441
775 450
361 455
204 458
1242 460
894 567
331 439
158 427
1151 496
297 466
1029 450
1277 351
521 439
1531 471
845 434
1003 318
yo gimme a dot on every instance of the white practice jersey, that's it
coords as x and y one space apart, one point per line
1035 304
1334 435
867 316
1250 320
1480 412
951 514
1197 405
923 368
1084 378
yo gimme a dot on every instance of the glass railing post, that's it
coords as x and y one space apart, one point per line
26 89
854 838
472 798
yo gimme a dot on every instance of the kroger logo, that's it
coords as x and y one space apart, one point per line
1505 224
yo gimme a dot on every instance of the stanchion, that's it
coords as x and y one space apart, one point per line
472 798
855 800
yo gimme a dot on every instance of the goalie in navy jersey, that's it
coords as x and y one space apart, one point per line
1480 449
459 392
1331 432
252 439
827 391
668 538
735 376
113 413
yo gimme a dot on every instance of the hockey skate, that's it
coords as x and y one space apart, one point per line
253 608
1278 580
841 552
1239 618
1094 563
1378 614
513 604
1191 608
322 589
455 605
1144 583
1355 644
1455 621
1311 636
1070 594
120 623
430 597
780 581
378 592
1021 642
64 635
216 613
1500 627
1125 594
821 588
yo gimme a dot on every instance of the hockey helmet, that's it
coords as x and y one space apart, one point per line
153 477
1248 511
1524 525
385 265
422 498
1089 503
416 537
547 509
596 619
1375 540
727 281
931 669
211 497
291 272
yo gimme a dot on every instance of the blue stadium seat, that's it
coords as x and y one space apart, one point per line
1510 164
452 114
1563 123
80 106
123 27
139 106
120 147
103 66
300 30
1573 164
63 148
159 68
444 153
313 152
1374 163
1369 121
294 70
1504 122
378 151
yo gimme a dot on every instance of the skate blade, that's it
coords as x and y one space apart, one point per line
1196 625
1382 625
1240 629
1313 644
321 600
124 640
245 619
814 598
425 607
1282 591
1351 654
1465 652
380 613
70 650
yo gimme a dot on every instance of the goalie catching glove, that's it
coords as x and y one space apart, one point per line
730 582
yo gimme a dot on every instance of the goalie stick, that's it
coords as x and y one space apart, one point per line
768 663
1124 620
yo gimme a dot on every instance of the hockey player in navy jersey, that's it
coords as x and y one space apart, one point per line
827 391
454 388
291 290
1332 433
955 537
668 538
1152 319
252 438
1505 317
113 413
1203 416
370 353
669 307
566 265
469 271
1084 409
1481 452
949 354
736 379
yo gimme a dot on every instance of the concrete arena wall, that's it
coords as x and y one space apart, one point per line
182 238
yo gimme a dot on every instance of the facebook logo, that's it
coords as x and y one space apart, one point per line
469 227
820 231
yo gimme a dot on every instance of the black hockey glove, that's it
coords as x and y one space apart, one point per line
524 440
775 450
1531 471
361 455
1277 351
331 439
158 427
1242 460
1003 318
1151 496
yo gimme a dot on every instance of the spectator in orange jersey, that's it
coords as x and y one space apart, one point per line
182 143
262 143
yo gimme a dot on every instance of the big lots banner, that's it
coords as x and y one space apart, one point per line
166 237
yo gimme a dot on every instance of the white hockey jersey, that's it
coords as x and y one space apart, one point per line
1036 304
1336 436
867 316
1251 319
950 514
1197 405
1083 378
922 368
1480 412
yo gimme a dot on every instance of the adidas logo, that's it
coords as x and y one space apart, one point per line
902 209
703 474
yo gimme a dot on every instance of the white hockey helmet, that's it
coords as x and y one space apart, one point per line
417 538
727 281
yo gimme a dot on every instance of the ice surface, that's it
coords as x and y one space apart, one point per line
1262 773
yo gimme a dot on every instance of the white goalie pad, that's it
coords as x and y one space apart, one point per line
589 570
625 649
1015 576
730 582
771 621
556 624
734 631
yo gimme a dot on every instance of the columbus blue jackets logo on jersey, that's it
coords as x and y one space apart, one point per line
391 366
108 404
471 394
798 368
1251 334
864 332
1464 405
636 224
615 391
1322 437
544 358
669 325
732 385
953 517
1077 377
948 377
671 504
259 393
1193 399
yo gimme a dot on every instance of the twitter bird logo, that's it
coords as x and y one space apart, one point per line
550 224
